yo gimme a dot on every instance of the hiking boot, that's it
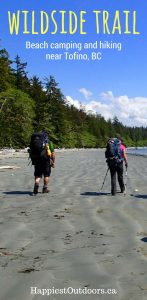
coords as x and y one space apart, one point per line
45 190
123 189
113 192
36 188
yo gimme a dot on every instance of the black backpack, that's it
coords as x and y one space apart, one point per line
37 146
113 152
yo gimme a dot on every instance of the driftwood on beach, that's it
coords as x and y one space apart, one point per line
9 167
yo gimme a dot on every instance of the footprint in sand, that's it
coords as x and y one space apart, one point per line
59 217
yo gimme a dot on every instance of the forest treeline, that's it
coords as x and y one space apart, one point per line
28 105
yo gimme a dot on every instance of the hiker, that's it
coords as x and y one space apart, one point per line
43 158
115 154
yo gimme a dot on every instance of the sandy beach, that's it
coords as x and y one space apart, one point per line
75 242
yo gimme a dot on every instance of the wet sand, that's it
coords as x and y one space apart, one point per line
73 238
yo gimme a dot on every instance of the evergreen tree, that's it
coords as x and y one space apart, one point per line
21 79
16 117
6 78
57 111
42 119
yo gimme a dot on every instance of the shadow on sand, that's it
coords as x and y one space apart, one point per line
140 196
94 194
18 193
144 239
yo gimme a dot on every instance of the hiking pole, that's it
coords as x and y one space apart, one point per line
125 184
29 162
28 150
104 180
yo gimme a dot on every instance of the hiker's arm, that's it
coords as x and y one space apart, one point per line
53 159
125 158
52 155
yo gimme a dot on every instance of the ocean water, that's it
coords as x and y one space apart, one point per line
137 151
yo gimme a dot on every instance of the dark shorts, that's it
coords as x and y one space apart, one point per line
42 167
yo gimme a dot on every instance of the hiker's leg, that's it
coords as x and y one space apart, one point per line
37 180
38 175
45 187
47 172
46 180
120 176
113 180
36 185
